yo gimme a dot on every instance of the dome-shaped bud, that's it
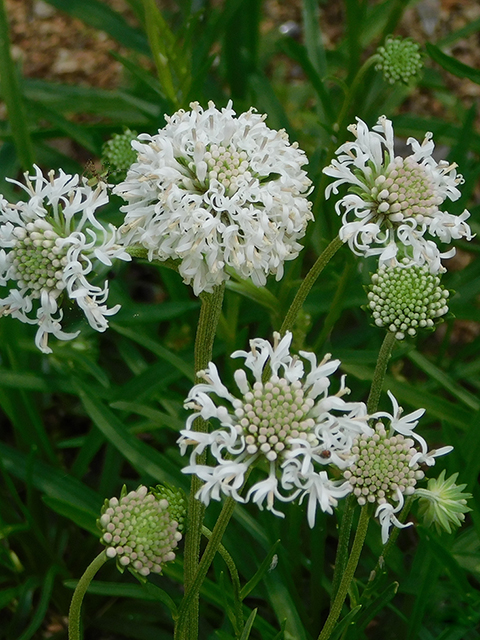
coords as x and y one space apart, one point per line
399 59
406 298
118 155
138 531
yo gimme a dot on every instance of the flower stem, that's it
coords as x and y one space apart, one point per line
80 590
232 568
343 540
207 325
183 626
380 370
347 577
308 283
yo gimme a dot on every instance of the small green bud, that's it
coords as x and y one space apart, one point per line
443 503
406 298
139 531
118 155
399 59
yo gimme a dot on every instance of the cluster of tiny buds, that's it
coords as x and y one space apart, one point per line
177 502
39 258
139 531
406 298
399 60
272 414
118 154
405 191
382 466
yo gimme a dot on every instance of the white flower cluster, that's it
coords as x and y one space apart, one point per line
289 426
308 443
392 202
47 248
212 191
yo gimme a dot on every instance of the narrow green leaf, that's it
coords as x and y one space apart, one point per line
145 591
345 622
84 518
155 347
452 65
377 605
12 95
100 16
248 625
252 583
142 457
41 610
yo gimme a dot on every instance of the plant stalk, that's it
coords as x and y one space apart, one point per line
80 590
380 370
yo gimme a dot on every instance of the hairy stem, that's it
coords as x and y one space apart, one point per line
380 370
347 577
77 599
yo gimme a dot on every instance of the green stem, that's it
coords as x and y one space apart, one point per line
388 546
343 544
379 373
191 594
308 283
232 568
207 325
80 590
347 577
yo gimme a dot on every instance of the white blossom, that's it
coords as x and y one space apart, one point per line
289 426
213 191
392 202
48 246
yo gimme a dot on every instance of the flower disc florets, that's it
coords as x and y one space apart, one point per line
48 245
211 191
406 298
395 201
399 59
288 427
139 531
382 467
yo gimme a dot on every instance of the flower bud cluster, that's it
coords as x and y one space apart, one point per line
399 60
118 154
443 503
382 467
39 256
406 298
139 531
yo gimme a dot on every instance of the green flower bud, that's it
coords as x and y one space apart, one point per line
118 155
399 59
139 531
406 298
443 503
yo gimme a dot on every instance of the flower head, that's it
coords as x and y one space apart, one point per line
385 465
406 298
288 426
177 502
48 245
392 201
443 503
211 191
399 59
139 531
